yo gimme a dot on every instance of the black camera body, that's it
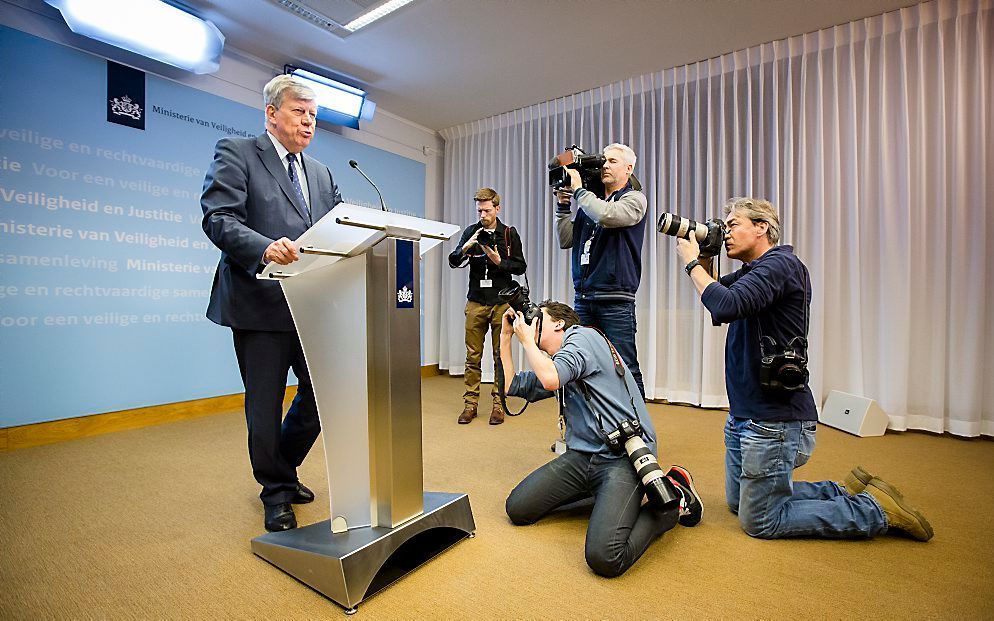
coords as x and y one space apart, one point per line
783 370
589 167
487 238
516 296
627 438
710 235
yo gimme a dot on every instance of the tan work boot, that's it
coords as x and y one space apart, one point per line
856 480
497 415
900 514
468 414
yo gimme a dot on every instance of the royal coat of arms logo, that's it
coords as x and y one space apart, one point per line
123 106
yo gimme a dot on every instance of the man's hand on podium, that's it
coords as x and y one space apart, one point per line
282 251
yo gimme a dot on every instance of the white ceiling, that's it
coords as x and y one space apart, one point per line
440 63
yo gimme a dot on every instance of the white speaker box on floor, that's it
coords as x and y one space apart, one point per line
854 414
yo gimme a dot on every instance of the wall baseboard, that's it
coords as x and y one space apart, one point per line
39 434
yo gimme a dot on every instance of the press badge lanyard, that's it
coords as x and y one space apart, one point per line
585 255
486 283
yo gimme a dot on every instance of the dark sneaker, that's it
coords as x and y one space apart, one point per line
900 514
856 481
691 507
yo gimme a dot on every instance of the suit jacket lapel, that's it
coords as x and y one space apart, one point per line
267 153
314 189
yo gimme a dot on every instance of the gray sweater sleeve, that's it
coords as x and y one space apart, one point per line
626 211
564 226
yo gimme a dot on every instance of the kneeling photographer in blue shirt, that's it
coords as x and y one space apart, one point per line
772 417
610 440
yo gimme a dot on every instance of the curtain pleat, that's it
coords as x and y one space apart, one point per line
873 139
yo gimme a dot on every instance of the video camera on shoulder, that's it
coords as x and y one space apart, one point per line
588 165
786 369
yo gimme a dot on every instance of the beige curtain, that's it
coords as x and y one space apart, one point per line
874 139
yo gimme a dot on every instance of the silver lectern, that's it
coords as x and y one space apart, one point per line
355 299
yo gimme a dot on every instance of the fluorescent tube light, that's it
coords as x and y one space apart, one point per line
374 14
151 28
338 103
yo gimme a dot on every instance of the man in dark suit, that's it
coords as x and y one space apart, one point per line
259 195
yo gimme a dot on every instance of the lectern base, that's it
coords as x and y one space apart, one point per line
351 566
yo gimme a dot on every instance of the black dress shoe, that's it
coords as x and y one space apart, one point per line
303 495
280 517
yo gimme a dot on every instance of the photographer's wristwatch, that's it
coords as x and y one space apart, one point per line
690 266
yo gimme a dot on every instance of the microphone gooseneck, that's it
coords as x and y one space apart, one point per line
355 165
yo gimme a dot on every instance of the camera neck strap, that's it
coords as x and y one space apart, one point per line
619 368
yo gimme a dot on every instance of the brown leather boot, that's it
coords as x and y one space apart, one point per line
468 414
497 415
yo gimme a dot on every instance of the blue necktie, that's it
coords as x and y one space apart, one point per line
291 159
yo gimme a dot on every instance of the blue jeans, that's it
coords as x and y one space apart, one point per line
617 321
620 528
760 457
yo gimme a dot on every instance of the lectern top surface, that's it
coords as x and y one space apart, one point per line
336 232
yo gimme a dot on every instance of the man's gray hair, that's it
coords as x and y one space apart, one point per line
757 210
283 86
628 155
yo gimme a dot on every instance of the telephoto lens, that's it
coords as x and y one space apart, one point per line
658 489
710 235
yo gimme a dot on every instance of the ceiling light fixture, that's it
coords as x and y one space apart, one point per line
310 14
152 28
338 103
374 14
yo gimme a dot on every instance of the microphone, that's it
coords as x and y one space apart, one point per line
355 165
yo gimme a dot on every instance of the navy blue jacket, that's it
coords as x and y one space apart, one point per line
773 291
615 266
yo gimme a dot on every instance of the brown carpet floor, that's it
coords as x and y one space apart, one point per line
155 523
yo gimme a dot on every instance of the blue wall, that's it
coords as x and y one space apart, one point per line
87 206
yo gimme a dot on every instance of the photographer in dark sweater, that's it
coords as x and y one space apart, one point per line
772 417
493 253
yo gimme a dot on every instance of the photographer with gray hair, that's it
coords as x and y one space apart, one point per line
259 195
605 237
772 418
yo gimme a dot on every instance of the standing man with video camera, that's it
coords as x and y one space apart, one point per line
493 252
772 418
606 241
600 407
